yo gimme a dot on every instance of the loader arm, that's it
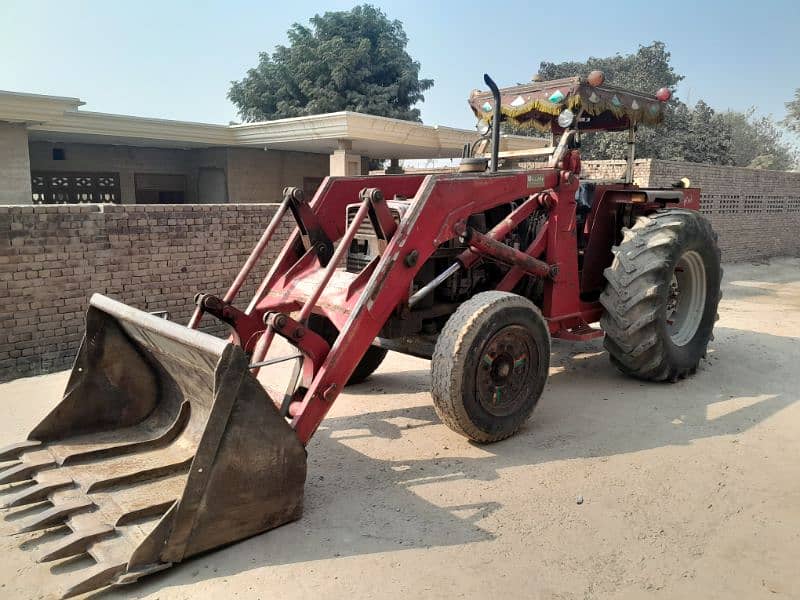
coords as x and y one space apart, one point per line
359 304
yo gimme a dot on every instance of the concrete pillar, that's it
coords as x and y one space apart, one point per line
15 165
344 162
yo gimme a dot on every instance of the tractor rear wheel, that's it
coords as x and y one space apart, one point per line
661 297
371 360
490 365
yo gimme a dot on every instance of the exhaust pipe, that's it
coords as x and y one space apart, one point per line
495 120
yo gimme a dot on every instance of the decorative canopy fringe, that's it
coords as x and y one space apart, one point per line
538 105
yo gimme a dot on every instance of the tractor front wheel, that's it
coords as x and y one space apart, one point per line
490 365
661 297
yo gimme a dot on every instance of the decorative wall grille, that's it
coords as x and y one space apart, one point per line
74 188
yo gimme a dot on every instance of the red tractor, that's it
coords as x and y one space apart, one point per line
165 443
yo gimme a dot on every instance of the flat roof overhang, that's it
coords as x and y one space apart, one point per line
56 119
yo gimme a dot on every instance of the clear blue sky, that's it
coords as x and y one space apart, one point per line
175 59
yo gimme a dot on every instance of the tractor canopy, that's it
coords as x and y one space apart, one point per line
599 107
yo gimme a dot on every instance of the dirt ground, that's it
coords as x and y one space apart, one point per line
690 490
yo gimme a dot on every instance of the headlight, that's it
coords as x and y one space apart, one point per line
484 127
566 118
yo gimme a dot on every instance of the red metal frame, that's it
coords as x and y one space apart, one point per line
304 280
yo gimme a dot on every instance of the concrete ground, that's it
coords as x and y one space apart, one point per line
690 490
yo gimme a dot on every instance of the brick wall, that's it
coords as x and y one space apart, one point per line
615 169
152 257
756 213
157 257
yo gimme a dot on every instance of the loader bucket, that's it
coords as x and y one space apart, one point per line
163 446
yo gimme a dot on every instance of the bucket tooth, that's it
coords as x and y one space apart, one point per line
16 450
55 515
143 475
136 468
147 499
75 543
151 509
10 465
24 470
35 493
93 578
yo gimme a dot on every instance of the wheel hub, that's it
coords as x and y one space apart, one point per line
506 362
686 298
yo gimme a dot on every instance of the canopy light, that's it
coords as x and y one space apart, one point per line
596 78
663 94
566 118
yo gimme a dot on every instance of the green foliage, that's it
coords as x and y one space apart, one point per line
646 70
350 60
698 134
705 136
792 120
756 142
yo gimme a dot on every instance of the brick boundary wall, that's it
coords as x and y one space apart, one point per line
52 258
755 212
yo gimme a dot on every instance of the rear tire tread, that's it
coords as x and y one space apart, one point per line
633 298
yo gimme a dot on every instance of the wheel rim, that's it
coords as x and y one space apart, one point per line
686 298
507 364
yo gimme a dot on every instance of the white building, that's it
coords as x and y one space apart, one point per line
52 151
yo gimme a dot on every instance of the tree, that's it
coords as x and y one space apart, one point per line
756 142
647 70
350 60
706 139
792 120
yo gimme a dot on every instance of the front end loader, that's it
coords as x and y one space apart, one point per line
166 444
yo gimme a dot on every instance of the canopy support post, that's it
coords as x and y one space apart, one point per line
631 154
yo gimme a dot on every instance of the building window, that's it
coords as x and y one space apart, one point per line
58 154
74 188
157 188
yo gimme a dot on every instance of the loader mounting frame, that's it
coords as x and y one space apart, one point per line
306 279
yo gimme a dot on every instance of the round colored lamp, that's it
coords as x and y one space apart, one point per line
663 94
596 78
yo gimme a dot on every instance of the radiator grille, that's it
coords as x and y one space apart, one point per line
366 229
365 246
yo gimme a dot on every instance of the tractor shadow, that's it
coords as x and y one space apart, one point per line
366 502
